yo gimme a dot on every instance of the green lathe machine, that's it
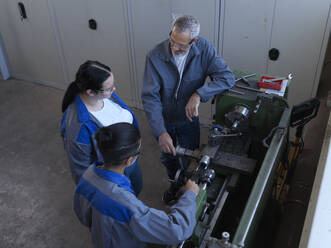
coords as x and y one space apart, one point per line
236 169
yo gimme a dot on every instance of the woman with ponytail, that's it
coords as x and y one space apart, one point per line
89 104
104 200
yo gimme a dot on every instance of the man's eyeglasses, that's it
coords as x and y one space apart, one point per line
180 46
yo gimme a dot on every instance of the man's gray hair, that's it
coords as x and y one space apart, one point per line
187 23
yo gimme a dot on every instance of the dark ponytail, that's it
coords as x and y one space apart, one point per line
90 75
118 142
69 96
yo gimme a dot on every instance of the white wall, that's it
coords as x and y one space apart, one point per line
55 39
30 43
296 28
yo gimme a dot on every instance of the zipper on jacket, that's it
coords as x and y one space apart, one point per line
176 93
180 82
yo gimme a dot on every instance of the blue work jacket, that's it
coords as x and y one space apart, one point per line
77 129
164 95
105 203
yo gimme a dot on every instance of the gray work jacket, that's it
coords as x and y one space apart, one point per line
165 96
77 130
105 203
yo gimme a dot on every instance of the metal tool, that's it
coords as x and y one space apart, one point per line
237 118
270 82
257 106
278 79
204 162
217 133
244 78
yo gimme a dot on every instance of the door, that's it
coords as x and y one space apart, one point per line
108 43
246 35
29 43
298 31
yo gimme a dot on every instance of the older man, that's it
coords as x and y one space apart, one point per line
174 85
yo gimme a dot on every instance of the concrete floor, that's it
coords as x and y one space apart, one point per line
36 188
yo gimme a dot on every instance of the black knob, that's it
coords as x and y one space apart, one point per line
92 24
273 54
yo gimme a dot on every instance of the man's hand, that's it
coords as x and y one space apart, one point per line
166 144
192 106
192 186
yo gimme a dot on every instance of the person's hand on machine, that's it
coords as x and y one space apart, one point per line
192 186
166 144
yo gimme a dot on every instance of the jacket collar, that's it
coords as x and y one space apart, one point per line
83 114
85 117
117 178
165 51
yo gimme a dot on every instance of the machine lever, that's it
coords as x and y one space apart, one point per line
257 106
227 135
265 144
204 212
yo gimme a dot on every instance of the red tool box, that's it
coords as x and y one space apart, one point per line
275 85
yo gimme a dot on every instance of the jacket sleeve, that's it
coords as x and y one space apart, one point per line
154 226
79 151
151 98
219 72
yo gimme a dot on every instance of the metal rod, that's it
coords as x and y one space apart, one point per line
271 82
236 91
228 135
274 79
249 88
258 196
219 204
